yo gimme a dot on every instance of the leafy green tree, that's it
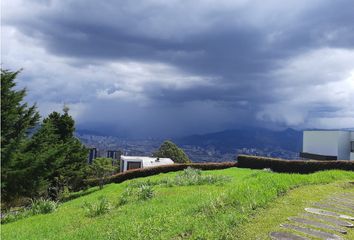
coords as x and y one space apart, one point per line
101 168
17 119
170 150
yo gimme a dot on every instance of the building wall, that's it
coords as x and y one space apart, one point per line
352 148
344 145
144 161
92 155
321 142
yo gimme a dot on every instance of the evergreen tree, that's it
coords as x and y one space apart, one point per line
57 151
17 119
44 152
43 165
170 150
64 124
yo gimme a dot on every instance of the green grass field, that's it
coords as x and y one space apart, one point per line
230 210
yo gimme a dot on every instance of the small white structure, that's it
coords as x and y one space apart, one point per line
133 162
328 145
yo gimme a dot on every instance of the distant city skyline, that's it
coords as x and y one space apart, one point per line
215 147
176 68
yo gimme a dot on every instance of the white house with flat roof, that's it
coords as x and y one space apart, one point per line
133 162
328 145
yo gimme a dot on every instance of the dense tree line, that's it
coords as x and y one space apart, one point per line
38 159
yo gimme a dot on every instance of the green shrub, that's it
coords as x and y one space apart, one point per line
292 166
125 196
101 168
64 193
39 206
145 192
138 184
9 217
215 206
14 216
43 206
135 192
191 176
97 209
191 172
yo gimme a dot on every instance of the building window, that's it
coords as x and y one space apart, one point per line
352 148
133 165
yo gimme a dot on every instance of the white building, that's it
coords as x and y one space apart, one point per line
133 162
328 145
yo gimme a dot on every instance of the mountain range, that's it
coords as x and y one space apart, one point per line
229 140
211 147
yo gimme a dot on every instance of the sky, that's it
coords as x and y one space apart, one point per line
156 68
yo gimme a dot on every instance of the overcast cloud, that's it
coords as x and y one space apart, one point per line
167 68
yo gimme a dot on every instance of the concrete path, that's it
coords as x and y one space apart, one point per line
328 219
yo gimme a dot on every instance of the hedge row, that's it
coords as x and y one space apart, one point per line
292 166
144 172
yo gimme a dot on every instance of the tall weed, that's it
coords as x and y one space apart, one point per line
145 192
38 206
43 206
191 176
96 209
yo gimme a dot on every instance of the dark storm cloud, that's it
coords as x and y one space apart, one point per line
81 28
240 55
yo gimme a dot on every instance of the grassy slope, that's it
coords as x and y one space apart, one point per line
196 212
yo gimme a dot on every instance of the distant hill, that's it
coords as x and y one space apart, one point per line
228 140
90 132
212 147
